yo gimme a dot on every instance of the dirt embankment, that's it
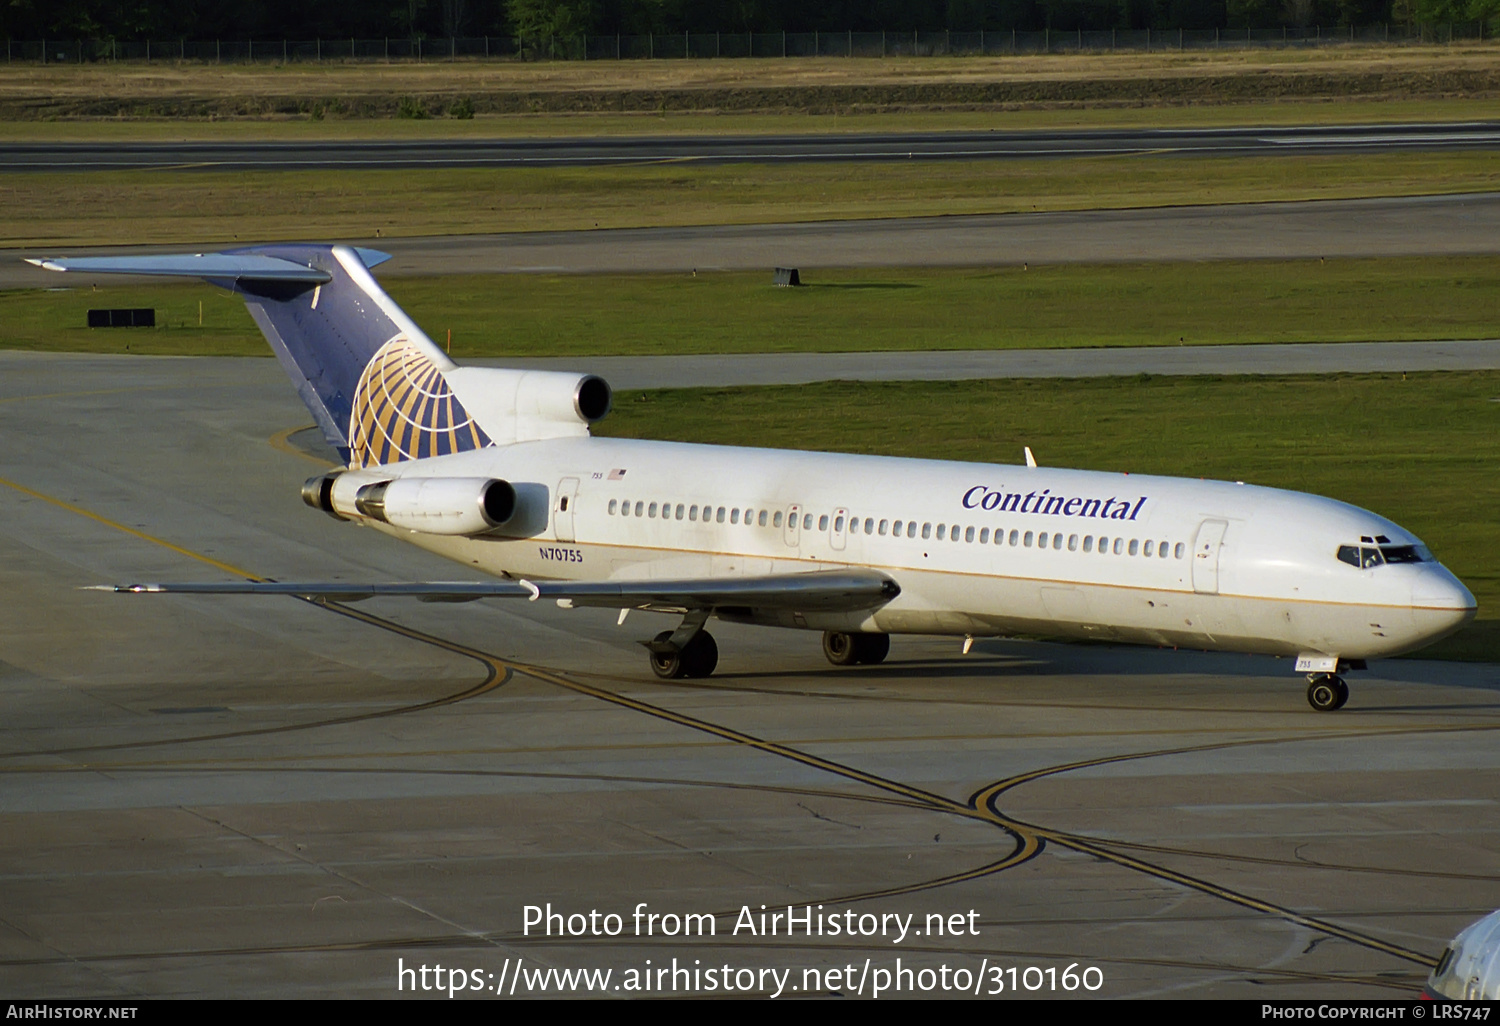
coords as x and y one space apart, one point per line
820 86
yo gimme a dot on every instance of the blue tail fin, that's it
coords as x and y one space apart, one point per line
373 381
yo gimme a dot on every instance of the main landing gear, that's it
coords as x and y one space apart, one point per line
850 649
696 658
1326 692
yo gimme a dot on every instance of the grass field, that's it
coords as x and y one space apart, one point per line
844 310
335 92
210 208
1048 117
1421 449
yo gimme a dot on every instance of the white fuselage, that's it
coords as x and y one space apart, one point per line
981 549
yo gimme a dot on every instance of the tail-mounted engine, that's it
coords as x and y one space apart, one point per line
433 505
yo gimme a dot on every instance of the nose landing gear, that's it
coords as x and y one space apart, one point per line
1326 692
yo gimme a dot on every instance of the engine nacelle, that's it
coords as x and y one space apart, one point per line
526 405
439 505
434 505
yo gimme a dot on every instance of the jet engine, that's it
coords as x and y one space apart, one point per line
433 505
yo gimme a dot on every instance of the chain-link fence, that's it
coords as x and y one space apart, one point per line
708 45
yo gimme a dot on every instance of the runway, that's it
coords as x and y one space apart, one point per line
1382 227
238 798
768 149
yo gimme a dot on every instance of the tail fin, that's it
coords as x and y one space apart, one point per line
373 381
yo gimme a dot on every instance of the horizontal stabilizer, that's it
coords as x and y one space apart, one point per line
820 590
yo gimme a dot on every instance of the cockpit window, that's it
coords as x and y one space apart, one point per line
1366 557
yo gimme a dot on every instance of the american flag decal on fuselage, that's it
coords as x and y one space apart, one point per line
404 410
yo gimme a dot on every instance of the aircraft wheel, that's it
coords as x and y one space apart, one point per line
840 648
1327 692
700 655
667 665
871 648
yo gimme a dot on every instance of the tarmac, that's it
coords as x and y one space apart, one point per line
237 797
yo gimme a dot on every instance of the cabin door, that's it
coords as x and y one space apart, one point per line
562 508
1206 556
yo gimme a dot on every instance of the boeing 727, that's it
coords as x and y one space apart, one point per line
496 469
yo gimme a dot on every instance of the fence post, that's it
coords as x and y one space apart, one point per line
981 43
1179 40
783 42
718 50
320 50
687 46
388 49
850 47
816 51
486 47
283 51
218 53
617 46
882 42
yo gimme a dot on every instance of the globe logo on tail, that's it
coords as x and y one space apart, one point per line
404 410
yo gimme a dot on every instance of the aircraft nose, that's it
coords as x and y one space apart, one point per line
1440 602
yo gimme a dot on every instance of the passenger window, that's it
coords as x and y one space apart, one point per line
984 536
1119 546
1088 543
869 525
822 521
693 512
942 531
1147 551
838 525
734 515
1015 536
1041 540
1177 550
1103 545
679 511
651 511
926 530
1162 549
614 504
883 525
1072 543
776 520
896 528
953 533
968 534
640 509
1057 541
719 515
761 520
911 528
1027 540
807 522
1370 558
1135 546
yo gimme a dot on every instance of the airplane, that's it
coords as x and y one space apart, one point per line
496 469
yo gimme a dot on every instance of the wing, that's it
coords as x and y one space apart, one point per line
823 590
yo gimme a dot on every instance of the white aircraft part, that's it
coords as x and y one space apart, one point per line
1470 968
1206 556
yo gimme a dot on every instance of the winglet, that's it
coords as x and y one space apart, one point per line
536 592
1030 459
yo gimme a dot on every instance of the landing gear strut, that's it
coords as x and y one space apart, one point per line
697 658
849 649
1326 692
